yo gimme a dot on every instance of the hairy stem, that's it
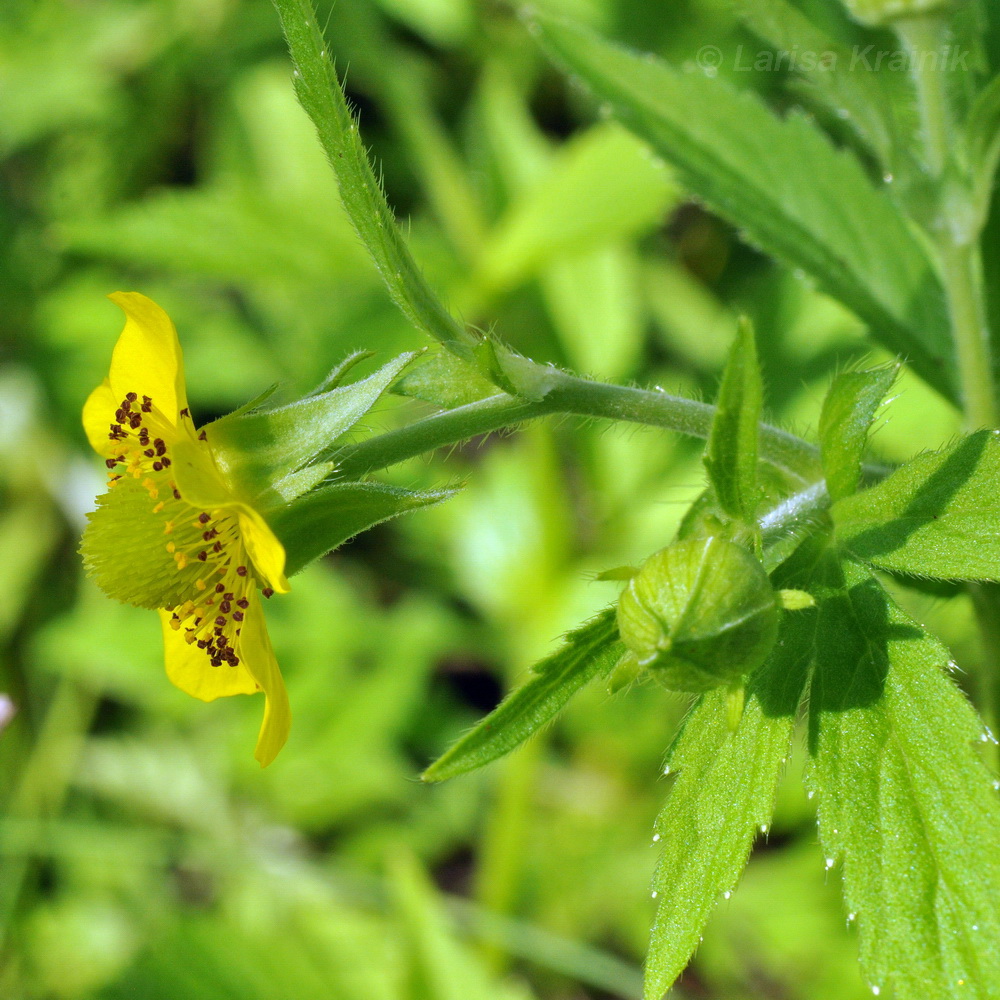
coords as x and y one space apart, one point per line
567 394
956 236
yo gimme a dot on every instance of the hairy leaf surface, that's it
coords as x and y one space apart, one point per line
848 411
782 182
936 516
904 801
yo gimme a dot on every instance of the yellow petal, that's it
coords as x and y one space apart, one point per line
267 553
188 667
147 358
258 656
98 416
197 477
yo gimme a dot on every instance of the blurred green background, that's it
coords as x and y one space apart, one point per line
156 145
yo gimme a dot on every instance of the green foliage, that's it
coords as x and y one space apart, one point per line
782 182
904 801
845 422
731 455
319 91
588 652
263 450
157 145
722 799
933 517
324 518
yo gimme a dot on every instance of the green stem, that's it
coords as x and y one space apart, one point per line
957 241
566 394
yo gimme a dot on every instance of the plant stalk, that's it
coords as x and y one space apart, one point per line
957 240
567 394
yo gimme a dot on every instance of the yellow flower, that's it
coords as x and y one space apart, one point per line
172 534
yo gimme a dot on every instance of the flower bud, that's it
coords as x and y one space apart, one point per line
699 614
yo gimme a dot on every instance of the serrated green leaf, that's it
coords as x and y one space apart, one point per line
325 518
904 801
782 182
590 651
260 449
845 420
832 75
936 516
731 455
320 93
722 799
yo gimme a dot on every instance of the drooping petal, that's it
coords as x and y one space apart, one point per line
189 669
264 549
258 657
147 358
98 415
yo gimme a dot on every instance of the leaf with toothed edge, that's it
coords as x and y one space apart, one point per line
783 183
935 516
904 801
721 800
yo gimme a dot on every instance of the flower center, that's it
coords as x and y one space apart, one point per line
146 545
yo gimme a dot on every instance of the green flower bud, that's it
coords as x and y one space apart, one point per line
883 11
699 614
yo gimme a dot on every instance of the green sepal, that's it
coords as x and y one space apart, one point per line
589 651
936 516
257 450
441 378
339 372
325 518
731 455
845 421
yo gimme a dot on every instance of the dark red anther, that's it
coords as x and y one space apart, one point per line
149 453
131 397
111 462
204 518
177 494
202 436
134 421
241 571
202 644
120 415
217 547
267 592
159 446
237 617
215 661
157 466
220 588
220 621
225 607
147 404
185 412
203 555
209 535
166 462
243 603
